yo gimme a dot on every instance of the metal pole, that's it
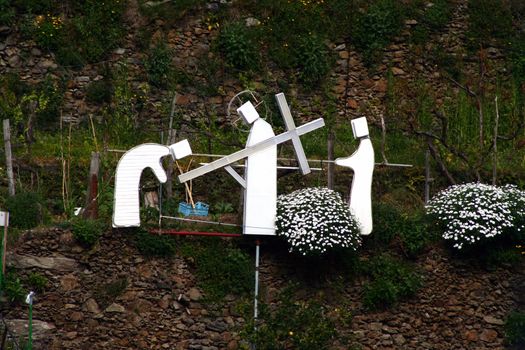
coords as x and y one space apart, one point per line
29 300
256 294
427 176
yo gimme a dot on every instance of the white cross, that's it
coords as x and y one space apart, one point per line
292 133
278 139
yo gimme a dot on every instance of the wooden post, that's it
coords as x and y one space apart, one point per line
91 211
330 170
8 157
171 139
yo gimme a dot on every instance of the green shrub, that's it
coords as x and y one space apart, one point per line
106 293
387 221
36 282
97 28
25 210
7 12
12 287
291 324
409 231
70 57
515 329
35 6
376 26
237 47
502 256
430 19
99 91
489 20
313 60
86 232
221 269
154 245
48 31
50 97
392 280
158 65
438 15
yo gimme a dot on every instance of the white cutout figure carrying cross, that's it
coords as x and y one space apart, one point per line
260 189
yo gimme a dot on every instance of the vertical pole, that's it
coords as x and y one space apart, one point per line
29 300
8 157
495 146
256 294
30 340
4 246
427 176
91 211
330 172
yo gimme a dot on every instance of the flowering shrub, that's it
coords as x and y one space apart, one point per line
314 220
475 212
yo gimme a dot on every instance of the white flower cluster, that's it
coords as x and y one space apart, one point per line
473 212
314 220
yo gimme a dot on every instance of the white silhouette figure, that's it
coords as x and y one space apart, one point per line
260 192
362 163
126 209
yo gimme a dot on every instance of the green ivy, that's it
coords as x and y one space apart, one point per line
158 65
375 28
87 232
392 280
238 47
291 324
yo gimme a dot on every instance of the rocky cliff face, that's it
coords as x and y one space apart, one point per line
113 298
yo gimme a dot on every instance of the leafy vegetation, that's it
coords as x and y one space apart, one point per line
85 32
238 47
392 228
36 282
292 324
86 231
154 245
515 329
26 210
158 65
221 268
12 286
392 280
376 26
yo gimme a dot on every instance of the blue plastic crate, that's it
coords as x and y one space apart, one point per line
201 209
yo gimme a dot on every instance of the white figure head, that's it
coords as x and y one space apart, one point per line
248 113
180 149
360 127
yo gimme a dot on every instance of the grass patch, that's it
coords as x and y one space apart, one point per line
392 281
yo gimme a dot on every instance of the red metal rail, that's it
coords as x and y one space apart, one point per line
193 233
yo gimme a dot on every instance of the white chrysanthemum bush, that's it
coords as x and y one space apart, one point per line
316 220
473 214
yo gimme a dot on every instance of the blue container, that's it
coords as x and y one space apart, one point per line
201 209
